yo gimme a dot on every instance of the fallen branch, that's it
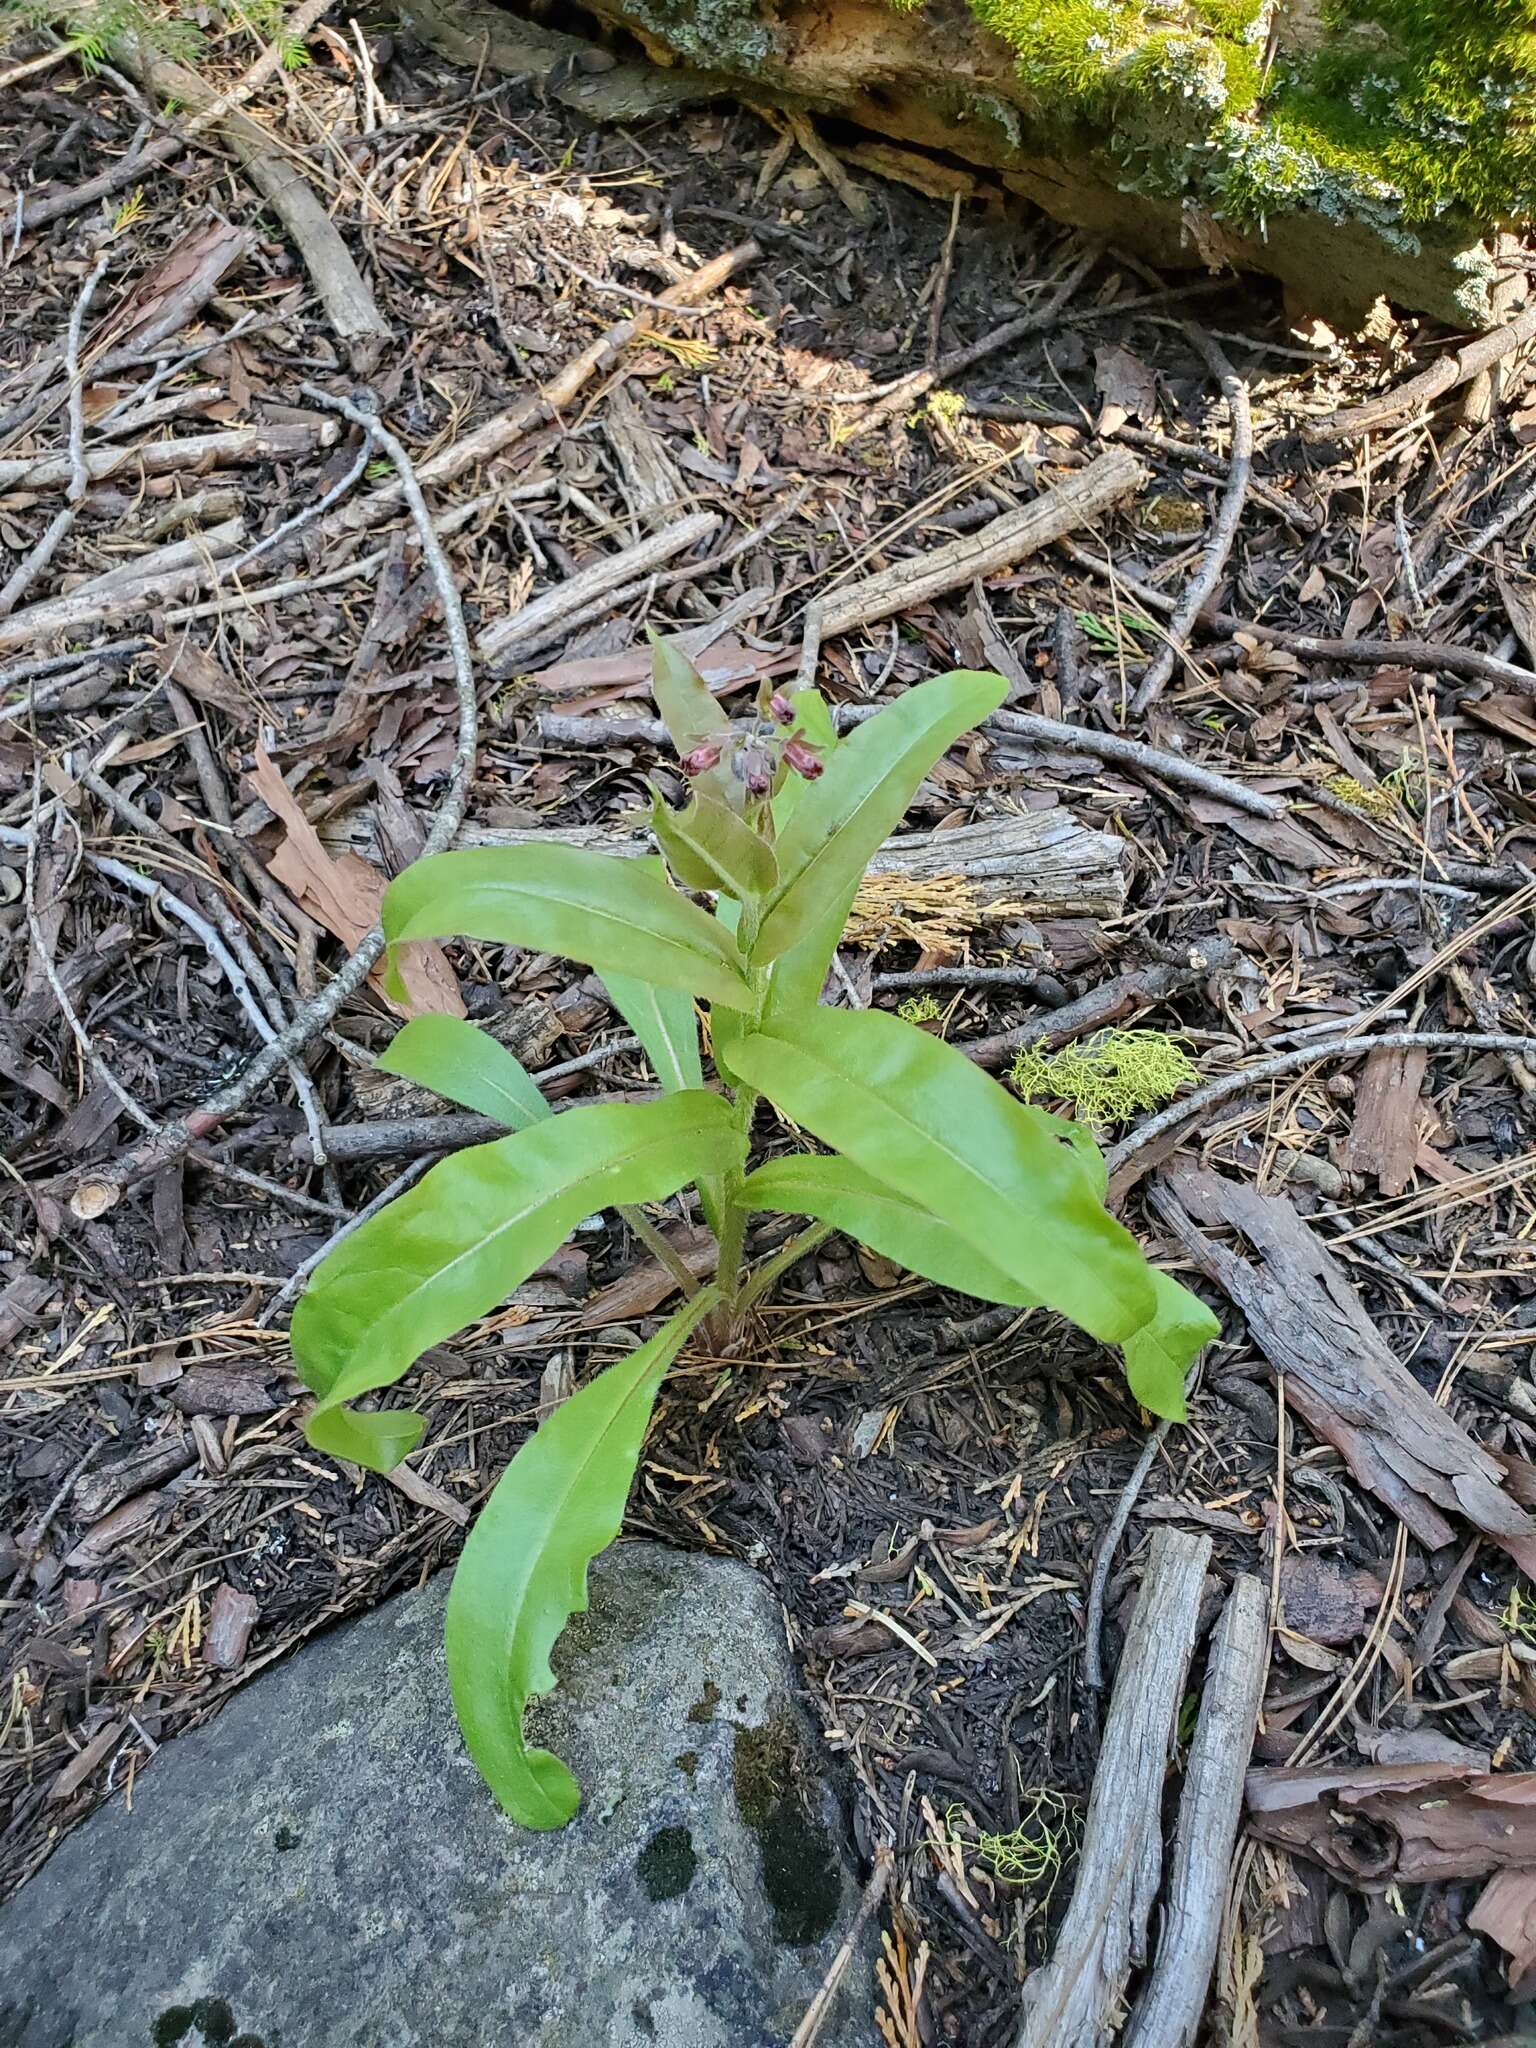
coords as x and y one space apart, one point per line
1223 528
1448 374
1076 1999
1107 1003
238 445
1172 2006
503 644
349 306
141 156
1017 863
1077 501
95 1190
1349 1046
1424 655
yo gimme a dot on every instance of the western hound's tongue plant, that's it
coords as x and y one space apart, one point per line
928 1161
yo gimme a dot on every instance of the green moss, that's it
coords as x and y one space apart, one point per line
703 1708
667 1865
1405 111
800 1872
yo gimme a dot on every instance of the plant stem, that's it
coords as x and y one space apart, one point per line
787 1255
657 1245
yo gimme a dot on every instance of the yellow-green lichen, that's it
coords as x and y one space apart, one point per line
1109 1077
1359 796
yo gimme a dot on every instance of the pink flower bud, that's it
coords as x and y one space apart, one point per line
803 758
781 708
700 759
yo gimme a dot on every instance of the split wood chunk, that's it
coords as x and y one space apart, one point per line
1305 1315
1077 501
1076 2000
1169 2012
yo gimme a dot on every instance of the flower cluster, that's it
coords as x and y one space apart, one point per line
756 749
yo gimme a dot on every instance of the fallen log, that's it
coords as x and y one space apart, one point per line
1029 863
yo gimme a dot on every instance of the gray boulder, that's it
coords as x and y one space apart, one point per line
322 1867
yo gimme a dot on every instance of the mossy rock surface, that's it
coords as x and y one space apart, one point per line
322 1867
1357 149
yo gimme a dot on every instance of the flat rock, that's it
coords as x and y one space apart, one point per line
322 1867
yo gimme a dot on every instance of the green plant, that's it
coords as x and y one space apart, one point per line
933 1164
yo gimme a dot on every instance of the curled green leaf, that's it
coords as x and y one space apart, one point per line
523 1572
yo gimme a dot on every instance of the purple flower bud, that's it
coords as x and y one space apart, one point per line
803 758
781 708
700 759
755 768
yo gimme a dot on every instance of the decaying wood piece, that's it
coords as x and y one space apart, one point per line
1384 1136
1077 501
1036 863
653 483
1170 2009
528 627
1421 1823
1339 1375
355 320
1075 2000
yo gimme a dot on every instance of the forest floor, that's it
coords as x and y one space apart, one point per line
926 1486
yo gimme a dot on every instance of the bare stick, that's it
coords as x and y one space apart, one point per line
1223 529
1077 501
1480 542
100 1187
1075 2000
44 951
1173 2002
1426 655
1347 1047
290 1287
79 481
1452 370
349 304
141 156
290 32
1130 1493
816 2013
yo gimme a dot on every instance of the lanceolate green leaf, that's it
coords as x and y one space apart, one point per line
664 1021
469 1232
615 915
524 1569
833 1190
457 1059
917 1115
688 710
842 819
1157 1356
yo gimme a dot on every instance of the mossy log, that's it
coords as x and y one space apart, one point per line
1356 149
